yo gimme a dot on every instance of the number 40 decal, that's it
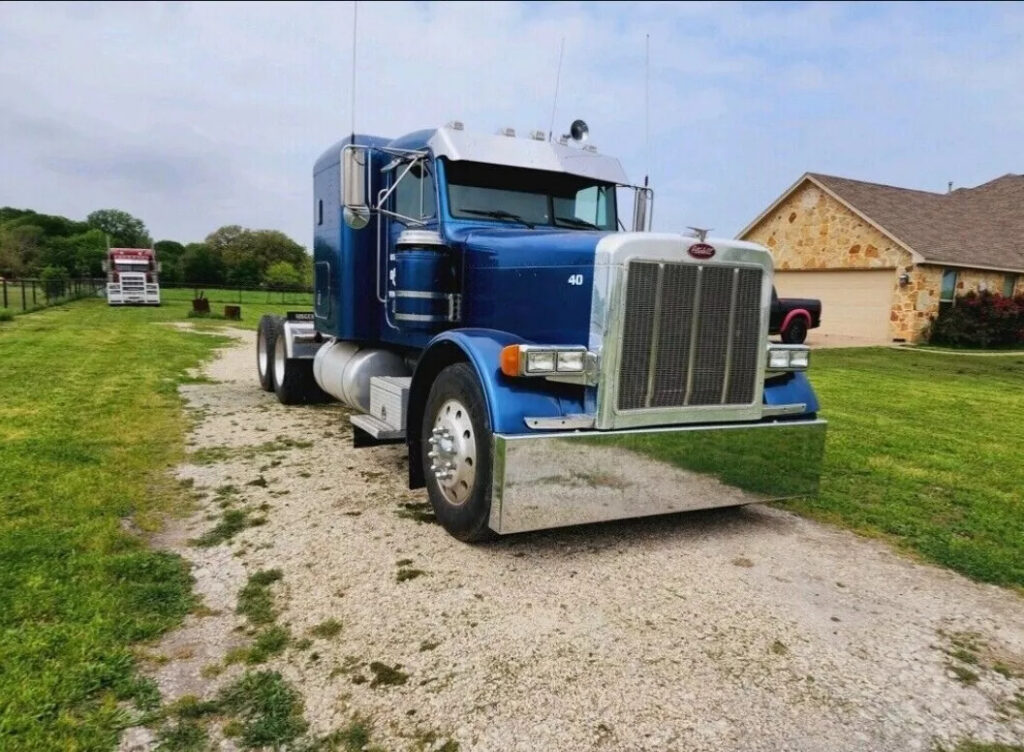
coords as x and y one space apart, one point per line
575 279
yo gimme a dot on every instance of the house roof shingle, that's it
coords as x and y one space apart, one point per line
981 226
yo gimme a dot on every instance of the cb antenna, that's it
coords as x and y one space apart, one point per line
558 76
647 108
355 22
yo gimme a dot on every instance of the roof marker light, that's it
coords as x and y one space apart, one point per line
455 125
537 135
510 132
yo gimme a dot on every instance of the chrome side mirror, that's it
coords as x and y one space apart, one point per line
354 177
643 205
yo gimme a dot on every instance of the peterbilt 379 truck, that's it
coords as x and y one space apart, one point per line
479 299
133 276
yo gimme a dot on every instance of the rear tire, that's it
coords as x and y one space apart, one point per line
456 453
796 332
266 334
293 377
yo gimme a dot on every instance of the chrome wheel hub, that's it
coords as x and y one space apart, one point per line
453 452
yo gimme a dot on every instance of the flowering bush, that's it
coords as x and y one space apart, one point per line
980 320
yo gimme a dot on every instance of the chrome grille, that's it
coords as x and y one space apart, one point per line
133 283
690 335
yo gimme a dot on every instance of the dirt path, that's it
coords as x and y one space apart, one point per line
746 629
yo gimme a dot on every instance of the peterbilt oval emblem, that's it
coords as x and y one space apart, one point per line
701 250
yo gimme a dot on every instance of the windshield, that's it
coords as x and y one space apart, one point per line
131 266
530 197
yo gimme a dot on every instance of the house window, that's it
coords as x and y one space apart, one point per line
948 291
1009 282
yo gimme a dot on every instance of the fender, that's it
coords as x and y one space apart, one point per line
509 401
791 390
792 314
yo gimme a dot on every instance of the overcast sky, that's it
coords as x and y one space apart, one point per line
196 116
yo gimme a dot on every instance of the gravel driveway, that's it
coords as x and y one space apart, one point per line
748 629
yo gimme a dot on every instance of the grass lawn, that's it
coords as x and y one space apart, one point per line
219 298
926 450
90 425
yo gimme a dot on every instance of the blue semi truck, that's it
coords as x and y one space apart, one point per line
480 299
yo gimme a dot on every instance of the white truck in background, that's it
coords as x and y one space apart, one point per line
133 276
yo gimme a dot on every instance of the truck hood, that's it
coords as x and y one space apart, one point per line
522 247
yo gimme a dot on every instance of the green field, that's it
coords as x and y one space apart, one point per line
90 426
926 450
226 296
26 296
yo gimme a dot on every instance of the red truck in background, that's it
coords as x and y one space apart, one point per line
132 276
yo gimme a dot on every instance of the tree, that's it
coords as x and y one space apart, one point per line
201 264
281 274
244 272
54 280
248 254
123 230
78 255
168 254
20 248
223 239
52 225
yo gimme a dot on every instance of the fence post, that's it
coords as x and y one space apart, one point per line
5 293
33 293
23 304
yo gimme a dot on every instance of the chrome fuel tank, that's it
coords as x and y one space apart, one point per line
344 370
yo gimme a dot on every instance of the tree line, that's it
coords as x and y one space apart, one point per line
51 246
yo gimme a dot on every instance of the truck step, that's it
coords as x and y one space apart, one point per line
389 399
377 429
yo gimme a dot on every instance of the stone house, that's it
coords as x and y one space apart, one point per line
884 259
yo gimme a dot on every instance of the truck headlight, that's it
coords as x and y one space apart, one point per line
540 361
788 357
570 361
558 362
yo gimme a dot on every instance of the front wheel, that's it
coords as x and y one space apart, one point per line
796 332
456 453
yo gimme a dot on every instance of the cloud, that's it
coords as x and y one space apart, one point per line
198 115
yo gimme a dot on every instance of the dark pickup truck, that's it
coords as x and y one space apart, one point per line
792 317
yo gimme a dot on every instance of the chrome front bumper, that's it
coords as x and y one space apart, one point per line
559 479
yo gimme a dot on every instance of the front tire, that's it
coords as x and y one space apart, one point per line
456 453
796 332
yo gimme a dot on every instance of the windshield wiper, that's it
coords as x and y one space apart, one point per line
573 221
497 214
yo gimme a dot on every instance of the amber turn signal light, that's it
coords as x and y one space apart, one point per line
510 360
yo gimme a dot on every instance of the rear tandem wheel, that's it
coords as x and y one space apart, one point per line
266 334
293 377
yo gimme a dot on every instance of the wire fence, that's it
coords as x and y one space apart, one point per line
31 294
236 295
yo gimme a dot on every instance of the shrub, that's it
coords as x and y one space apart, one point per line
6 314
54 279
980 320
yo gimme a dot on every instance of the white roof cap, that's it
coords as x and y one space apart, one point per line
531 154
